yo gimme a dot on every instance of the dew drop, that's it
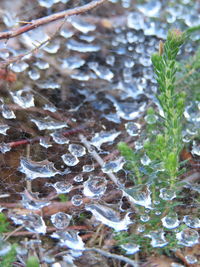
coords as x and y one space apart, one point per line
130 248
170 221
188 237
94 187
157 239
191 221
113 166
60 220
69 159
167 194
77 150
77 200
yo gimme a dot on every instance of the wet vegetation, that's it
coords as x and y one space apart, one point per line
100 134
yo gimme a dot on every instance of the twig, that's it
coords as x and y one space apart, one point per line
114 256
41 21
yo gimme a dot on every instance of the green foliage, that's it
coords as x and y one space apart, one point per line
63 197
3 223
9 258
32 262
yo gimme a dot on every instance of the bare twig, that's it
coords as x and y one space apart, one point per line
114 256
41 21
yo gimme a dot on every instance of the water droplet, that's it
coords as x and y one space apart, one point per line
132 128
46 3
157 239
101 71
66 33
78 178
52 48
34 74
77 200
130 248
167 194
94 187
23 98
32 222
150 9
61 187
109 217
151 118
31 201
82 47
191 259
140 195
77 150
72 62
5 247
135 21
145 160
19 66
195 149
110 60
41 64
59 138
4 128
113 166
188 237
60 220
49 84
45 142
4 147
170 221
7 113
69 159
48 124
191 221
81 25
104 137
88 168
71 239
144 218
42 169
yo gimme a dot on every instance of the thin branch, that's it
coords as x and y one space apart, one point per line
42 21
114 256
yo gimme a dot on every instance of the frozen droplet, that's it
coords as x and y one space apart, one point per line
191 221
71 239
41 64
59 138
144 218
101 71
157 239
140 195
9 18
5 247
78 178
195 149
170 221
88 168
141 228
167 194
150 9
32 202
4 128
4 147
66 33
77 200
19 66
34 74
113 166
188 237
72 62
80 76
145 60
191 259
130 248
87 38
7 113
135 21
104 137
77 150
132 128
48 123
94 187
145 160
69 159
82 47
61 187
60 220
192 112
35 169
52 48
109 217
32 222
81 25
23 98
112 117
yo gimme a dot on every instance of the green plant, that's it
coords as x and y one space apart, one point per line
156 167
32 262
